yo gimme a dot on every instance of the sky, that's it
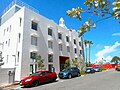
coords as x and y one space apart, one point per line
106 36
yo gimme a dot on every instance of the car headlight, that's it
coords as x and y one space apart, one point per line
28 80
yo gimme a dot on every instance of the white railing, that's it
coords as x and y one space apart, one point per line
20 3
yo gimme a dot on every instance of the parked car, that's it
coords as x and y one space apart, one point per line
98 69
117 68
90 70
39 77
69 72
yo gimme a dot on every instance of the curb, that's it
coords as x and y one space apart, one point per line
10 85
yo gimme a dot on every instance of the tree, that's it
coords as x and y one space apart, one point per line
39 61
102 8
115 59
75 63
67 63
89 43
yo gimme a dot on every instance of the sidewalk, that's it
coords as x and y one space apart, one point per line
6 85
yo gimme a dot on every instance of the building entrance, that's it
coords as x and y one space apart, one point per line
62 60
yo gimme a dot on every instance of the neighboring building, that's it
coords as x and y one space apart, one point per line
25 33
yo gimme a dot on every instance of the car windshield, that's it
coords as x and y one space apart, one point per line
35 74
64 70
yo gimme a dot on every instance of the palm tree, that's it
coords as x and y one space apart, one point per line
89 43
85 42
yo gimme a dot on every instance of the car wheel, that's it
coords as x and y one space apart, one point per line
69 76
35 83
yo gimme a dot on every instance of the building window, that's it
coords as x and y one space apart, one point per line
4 31
18 55
50 67
50 31
33 40
80 43
20 21
75 50
59 36
9 42
68 49
50 44
80 51
50 58
74 41
60 47
67 38
10 29
7 58
19 35
34 25
33 55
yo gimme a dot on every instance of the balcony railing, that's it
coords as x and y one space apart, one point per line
20 3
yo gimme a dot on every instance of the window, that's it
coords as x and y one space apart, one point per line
50 44
33 55
68 49
33 40
50 67
50 31
4 31
10 29
19 35
80 44
18 55
50 58
80 51
59 36
34 25
74 41
21 21
60 47
75 50
67 38
7 58
9 42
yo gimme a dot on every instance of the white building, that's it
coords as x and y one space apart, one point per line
25 33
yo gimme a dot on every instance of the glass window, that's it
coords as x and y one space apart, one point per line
21 21
68 49
50 58
50 44
67 38
80 51
50 67
34 25
19 35
33 40
60 47
33 55
59 36
75 50
50 31
74 41
80 44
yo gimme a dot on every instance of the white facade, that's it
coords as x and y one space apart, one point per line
19 40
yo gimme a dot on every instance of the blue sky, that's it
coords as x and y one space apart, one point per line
106 37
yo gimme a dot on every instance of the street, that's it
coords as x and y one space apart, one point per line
108 80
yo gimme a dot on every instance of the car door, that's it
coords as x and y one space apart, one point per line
49 76
43 77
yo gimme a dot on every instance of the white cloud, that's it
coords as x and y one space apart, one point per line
107 50
116 34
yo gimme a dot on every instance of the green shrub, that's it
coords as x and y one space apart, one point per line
82 72
103 69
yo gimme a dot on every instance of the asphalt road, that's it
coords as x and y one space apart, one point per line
109 80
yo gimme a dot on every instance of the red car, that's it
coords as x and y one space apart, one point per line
39 77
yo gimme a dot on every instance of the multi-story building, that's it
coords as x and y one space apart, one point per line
25 33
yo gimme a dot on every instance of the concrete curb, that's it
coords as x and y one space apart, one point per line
10 85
